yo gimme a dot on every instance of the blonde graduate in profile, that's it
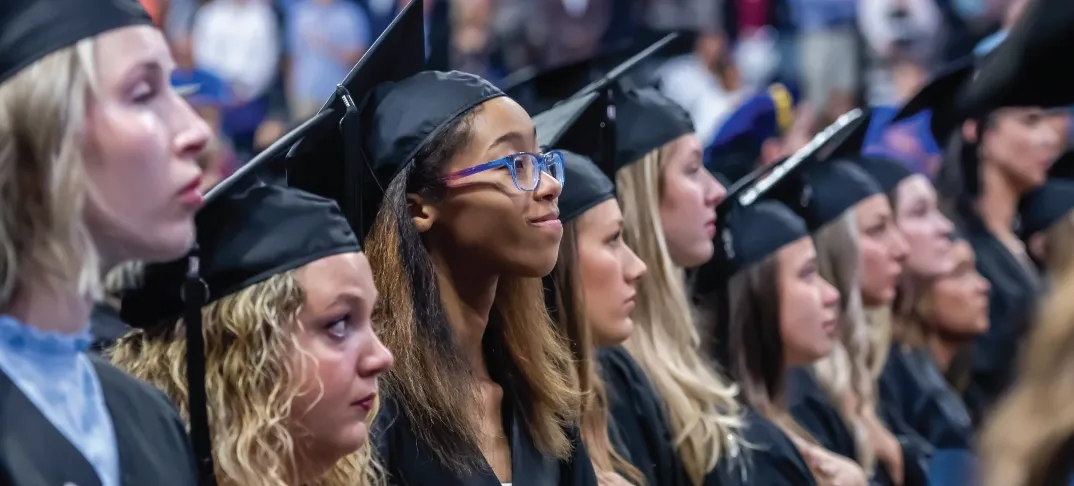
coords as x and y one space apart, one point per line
96 168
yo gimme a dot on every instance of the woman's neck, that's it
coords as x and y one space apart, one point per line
467 294
51 307
998 201
943 353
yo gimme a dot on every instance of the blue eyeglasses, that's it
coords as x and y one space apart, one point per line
526 169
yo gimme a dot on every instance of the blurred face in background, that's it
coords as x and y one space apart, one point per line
1021 143
926 230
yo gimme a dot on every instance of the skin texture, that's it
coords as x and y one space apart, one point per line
688 203
484 216
141 140
609 271
808 305
926 230
883 250
1021 143
340 360
960 297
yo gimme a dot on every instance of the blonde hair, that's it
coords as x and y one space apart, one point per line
574 328
43 234
702 408
1022 444
1059 241
253 369
845 372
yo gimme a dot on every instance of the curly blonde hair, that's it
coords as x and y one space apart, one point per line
252 379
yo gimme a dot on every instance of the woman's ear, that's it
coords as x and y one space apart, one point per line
422 212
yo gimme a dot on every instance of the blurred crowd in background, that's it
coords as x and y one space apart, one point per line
263 65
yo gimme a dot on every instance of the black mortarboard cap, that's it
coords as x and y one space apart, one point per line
255 229
749 234
1045 206
642 118
1030 67
589 186
887 173
645 121
827 191
332 157
939 95
539 90
33 29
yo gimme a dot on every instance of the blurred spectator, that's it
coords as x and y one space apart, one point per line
828 54
239 41
474 47
904 39
325 39
553 32
705 82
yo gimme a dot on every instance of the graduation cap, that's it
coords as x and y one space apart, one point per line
734 149
33 29
589 186
887 173
612 122
939 96
1029 68
387 110
538 90
1045 206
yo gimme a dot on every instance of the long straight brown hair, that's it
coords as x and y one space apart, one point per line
431 380
571 323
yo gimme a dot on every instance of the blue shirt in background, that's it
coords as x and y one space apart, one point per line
341 24
813 15
909 141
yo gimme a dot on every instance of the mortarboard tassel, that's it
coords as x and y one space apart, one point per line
194 294
352 172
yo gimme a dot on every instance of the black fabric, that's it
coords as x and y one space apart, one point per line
939 95
645 121
1029 68
368 131
152 441
33 29
887 173
106 326
750 234
1012 299
1045 206
911 386
814 411
823 193
588 186
254 231
638 415
408 461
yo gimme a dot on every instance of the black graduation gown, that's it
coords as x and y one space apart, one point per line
105 326
409 462
153 446
638 415
913 387
812 409
1011 301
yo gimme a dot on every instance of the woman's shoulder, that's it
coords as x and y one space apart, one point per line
770 456
121 389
